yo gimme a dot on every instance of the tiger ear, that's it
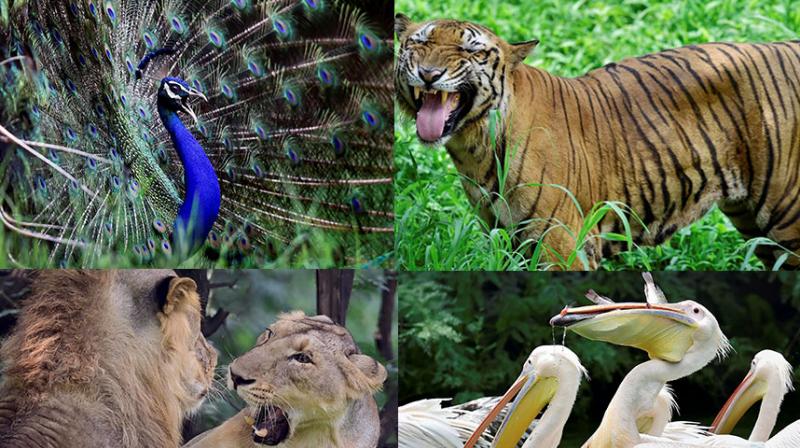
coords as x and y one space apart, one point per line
521 50
401 24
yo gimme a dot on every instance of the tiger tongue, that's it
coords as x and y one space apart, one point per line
432 116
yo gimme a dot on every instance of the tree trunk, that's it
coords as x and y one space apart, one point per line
383 340
334 287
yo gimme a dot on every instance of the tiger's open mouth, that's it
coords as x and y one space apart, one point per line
439 112
270 426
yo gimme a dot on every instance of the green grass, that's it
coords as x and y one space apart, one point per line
309 250
436 227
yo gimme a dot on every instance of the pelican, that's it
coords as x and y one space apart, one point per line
550 377
769 379
426 423
680 338
789 437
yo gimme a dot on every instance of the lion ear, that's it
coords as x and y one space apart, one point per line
401 24
322 318
364 374
521 50
180 291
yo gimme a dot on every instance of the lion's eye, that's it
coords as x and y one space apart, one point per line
301 358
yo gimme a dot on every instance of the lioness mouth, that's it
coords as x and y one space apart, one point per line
439 111
270 426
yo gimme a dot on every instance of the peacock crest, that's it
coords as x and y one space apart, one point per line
155 132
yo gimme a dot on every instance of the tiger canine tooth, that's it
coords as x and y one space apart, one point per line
444 97
416 93
249 420
261 432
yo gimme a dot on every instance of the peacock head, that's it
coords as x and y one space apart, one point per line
174 94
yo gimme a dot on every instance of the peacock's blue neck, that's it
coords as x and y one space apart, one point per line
201 202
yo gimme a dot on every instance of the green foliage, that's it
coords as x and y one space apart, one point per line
312 250
437 229
466 335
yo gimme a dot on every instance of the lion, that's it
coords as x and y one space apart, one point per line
306 385
104 358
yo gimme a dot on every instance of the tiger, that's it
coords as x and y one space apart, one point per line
669 134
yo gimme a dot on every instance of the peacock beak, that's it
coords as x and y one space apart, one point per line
195 92
663 331
185 107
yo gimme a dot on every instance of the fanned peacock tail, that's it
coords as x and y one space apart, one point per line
297 127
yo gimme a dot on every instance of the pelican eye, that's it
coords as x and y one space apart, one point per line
696 310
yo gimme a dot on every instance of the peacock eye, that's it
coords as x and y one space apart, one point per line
301 358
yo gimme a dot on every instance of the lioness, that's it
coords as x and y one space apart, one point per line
306 385
104 359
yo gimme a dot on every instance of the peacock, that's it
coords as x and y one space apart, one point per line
196 132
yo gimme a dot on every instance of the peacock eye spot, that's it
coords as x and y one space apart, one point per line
367 42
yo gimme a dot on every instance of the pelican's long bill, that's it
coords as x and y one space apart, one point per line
532 394
664 331
747 393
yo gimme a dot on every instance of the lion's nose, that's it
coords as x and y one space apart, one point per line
430 75
239 380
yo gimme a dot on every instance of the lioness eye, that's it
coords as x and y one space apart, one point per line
264 337
301 357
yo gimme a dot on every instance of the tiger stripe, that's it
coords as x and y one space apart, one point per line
670 134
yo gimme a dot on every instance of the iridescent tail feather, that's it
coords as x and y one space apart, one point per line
297 127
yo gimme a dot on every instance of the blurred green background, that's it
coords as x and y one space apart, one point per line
436 228
254 299
466 335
